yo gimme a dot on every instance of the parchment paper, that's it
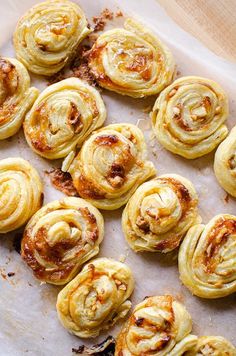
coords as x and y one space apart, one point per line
28 320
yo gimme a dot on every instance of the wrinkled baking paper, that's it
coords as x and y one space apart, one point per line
28 319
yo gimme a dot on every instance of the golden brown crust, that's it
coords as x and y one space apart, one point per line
131 61
21 193
48 34
62 117
111 165
60 238
159 214
207 258
16 96
189 116
158 326
96 298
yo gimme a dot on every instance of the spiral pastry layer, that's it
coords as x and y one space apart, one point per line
207 258
188 117
158 326
212 346
62 117
21 193
16 96
160 213
96 298
131 61
47 36
111 165
225 163
60 237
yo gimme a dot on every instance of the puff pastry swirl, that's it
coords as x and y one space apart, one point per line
62 117
207 258
131 61
111 165
188 117
21 193
225 163
159 214
60 237
48 34
212 346
16 96
157 326
96 298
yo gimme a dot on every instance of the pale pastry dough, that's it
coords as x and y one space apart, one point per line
60 237
212 346
207 258
16 96
159 214
225 163
131 61
188 117
21 193
48 34
96 298
111 165
158 326
62 117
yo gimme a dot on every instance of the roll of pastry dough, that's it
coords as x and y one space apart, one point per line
188 117
16 96
111 165
158 326
131 61
225 163
21 193
60 237
48 34
159 214
207 258
96 298
62 117
212 346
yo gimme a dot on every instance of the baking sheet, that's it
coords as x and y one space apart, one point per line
28 320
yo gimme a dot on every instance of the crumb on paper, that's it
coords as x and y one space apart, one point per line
78 67
11 274
154 152
119 13
55 78
226 198
105 348
179 297
3 275
83 72
101 20
122 258
62 181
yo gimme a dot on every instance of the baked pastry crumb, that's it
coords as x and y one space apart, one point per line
62 181
101 20
105 348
